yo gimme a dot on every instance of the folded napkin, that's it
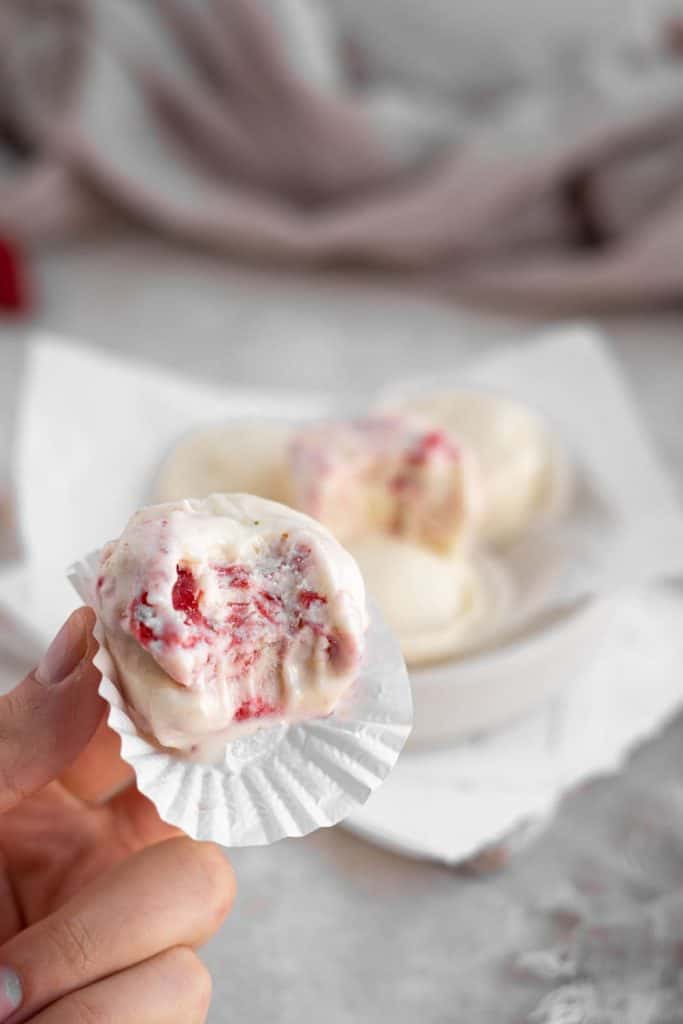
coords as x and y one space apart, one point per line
253 126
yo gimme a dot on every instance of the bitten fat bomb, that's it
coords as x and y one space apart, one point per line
227 614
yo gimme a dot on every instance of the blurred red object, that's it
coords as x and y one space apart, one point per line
14 293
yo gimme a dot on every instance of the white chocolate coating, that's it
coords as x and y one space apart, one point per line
246 457
229 612
437 606
512 448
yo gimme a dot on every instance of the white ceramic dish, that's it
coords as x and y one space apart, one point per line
488 689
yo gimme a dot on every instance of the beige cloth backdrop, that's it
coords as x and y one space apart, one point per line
249 125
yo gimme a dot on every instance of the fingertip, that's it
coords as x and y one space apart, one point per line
192 977
207 872
221 879
83 620
86 616
55 711
73 645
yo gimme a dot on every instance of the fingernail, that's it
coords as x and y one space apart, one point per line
65 652
11 994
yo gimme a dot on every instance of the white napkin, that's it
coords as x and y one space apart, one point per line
447 804
92 431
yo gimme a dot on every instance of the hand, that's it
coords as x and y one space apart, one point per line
101 903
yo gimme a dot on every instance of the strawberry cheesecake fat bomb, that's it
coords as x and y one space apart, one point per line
227 614
390 474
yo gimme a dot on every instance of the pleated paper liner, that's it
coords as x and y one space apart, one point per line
283 780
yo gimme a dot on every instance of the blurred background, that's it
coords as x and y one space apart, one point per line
328 196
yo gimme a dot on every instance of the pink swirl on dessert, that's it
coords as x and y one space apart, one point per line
392 474
226 611
268 602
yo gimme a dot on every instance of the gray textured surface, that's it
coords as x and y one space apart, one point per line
330 927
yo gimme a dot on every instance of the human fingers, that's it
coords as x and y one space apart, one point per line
99 772
137 820
51 716
173 987
175 893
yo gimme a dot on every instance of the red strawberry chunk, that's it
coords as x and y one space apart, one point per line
309 597
254 707
185 596
141 629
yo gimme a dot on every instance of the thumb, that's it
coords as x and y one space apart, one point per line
51 716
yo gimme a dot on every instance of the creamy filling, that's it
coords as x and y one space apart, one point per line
270 603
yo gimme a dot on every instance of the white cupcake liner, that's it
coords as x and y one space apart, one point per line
281 781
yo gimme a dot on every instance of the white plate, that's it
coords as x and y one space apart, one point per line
488 689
